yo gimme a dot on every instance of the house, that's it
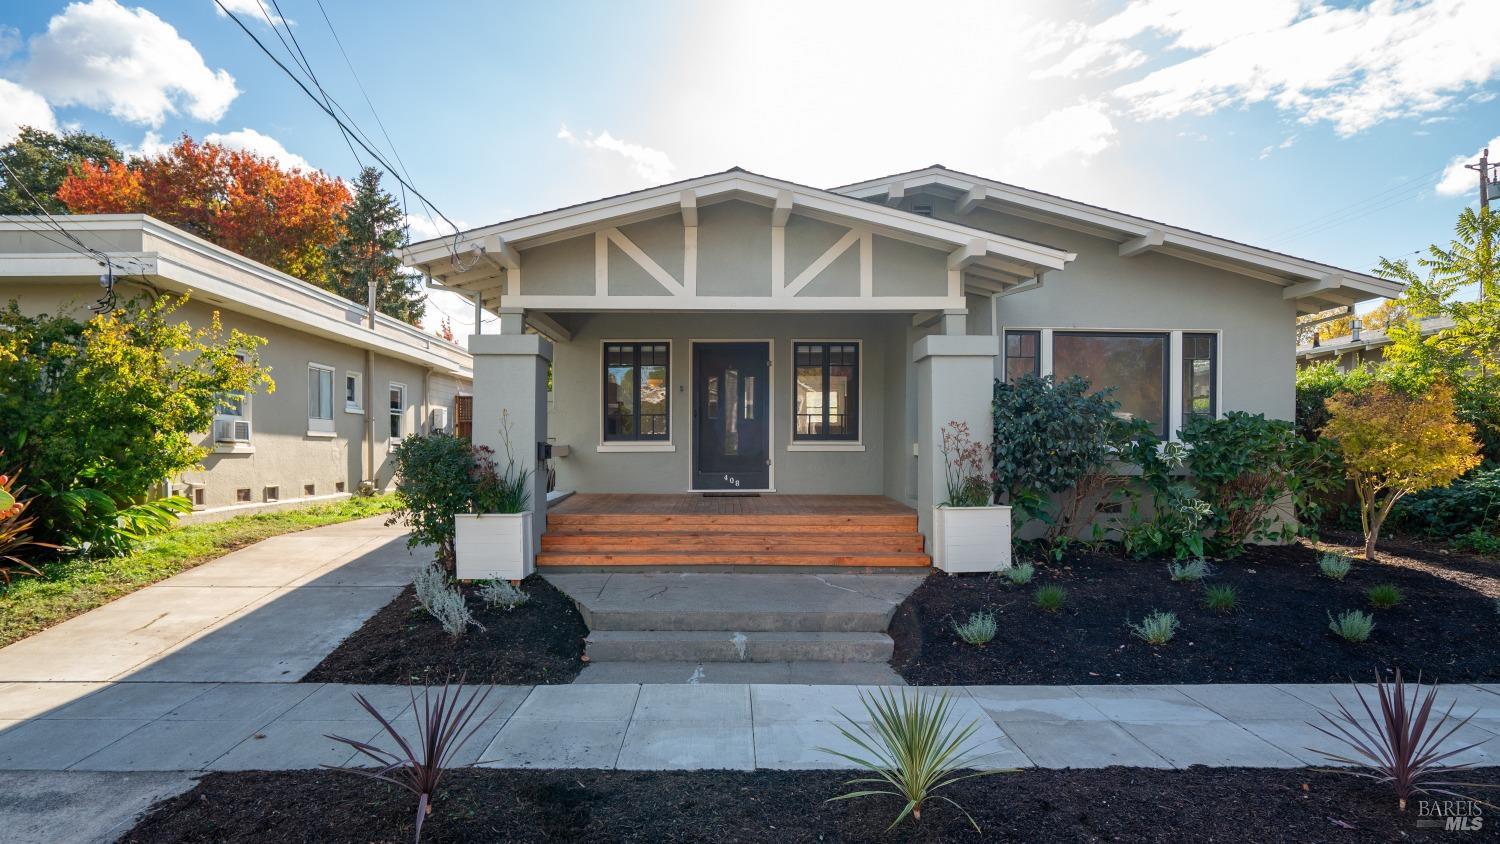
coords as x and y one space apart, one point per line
347 388
738 334
1360 347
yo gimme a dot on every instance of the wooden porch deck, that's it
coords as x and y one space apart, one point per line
593 529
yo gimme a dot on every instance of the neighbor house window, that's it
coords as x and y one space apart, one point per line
319 398
398 411
1200 375
1133 363
1023 355
825 402
636 391
354 392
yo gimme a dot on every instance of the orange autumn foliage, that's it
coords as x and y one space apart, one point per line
244 202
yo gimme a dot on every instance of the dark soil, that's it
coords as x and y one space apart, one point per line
1445 628
538 642
1112 804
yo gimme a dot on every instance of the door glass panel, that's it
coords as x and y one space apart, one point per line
731 411
713 397
749 398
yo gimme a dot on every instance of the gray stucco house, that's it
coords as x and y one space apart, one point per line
741 333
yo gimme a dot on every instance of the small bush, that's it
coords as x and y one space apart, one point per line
1050 598
1479 541
499 594
1158 628
1469 504
443 601
1335 566
1021 574
1352 625
978 630
1221 598
1189 572
1383 596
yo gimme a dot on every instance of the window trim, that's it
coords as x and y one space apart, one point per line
653 442
824 442
358 405
390 413
316 425
1213 375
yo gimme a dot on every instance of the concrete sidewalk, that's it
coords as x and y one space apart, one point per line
254 726
269 612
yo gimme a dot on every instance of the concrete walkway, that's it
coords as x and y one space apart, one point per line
231 726
269 612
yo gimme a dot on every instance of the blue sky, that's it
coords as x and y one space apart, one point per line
1324 130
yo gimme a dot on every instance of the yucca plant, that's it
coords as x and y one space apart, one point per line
1158 628
1335 566
1050 598
1402 746
1020 574
444 723
1352 625
913 750
1189 572
978 630
1221 598
1383 596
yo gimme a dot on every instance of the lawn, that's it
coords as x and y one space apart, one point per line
74 586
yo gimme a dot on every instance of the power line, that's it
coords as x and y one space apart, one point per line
1375 202
302 62
1357 215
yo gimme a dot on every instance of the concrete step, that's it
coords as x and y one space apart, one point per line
726 621
720 646
760 673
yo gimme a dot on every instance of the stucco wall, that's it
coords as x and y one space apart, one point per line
575 418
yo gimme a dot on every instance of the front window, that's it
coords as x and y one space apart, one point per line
826 402
637 391
1133 363
398 411
1200 377
1022 355
319 398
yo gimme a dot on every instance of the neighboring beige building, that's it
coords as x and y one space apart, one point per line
345 390
1361 347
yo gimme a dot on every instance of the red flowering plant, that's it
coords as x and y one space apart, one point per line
969 467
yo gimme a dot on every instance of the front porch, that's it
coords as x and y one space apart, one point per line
590 530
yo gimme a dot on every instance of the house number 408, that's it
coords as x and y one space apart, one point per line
732 481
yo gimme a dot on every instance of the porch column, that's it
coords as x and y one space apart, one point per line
510 382
955 383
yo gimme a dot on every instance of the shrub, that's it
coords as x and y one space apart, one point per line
1189 572
14 527
1479 541
443 601
1403 746
1317 384
978 630
1352 625
1383 596
913 750
1020 574
1471 503
1335 566
1221 598
1177 527
967 467
500 594
1050 598
442 729
1158 628
1394 444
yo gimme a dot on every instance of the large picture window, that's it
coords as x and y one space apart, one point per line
825 402
637 391
1200 375
1134 364
1023 355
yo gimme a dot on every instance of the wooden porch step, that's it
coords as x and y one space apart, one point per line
659 521
715 558
678 529
630 542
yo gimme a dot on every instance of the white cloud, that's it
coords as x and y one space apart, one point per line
21 106
256 10
653 165
150 146
10 41
1077 132
128 62
1286 144
250 140
1457 179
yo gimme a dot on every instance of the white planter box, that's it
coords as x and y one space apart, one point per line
971 539
493 546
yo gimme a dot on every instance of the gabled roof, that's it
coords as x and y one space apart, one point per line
1316 286
498 243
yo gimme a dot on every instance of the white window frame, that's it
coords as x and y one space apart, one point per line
1174 362
318 426
397 414
857 444
358 404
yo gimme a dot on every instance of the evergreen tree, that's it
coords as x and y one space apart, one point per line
40 161
370 232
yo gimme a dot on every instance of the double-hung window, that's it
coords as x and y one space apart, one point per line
1023 355
319 399
637 391
1200 375
398 412
1133 363
825 399
354 392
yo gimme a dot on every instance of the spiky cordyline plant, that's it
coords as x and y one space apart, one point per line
1401 746
913 749
442 729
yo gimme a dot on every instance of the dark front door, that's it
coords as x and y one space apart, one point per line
731 416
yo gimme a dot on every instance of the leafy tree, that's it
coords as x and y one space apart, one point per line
1394 444
101 411
1379 318
247 203
370 232
1318 383
41 160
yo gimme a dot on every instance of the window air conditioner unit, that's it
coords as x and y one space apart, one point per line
231 430
438 419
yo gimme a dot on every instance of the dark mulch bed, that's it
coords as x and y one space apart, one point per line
1112 804
1445 627
538 642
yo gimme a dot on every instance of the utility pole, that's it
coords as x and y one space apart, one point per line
1483 167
